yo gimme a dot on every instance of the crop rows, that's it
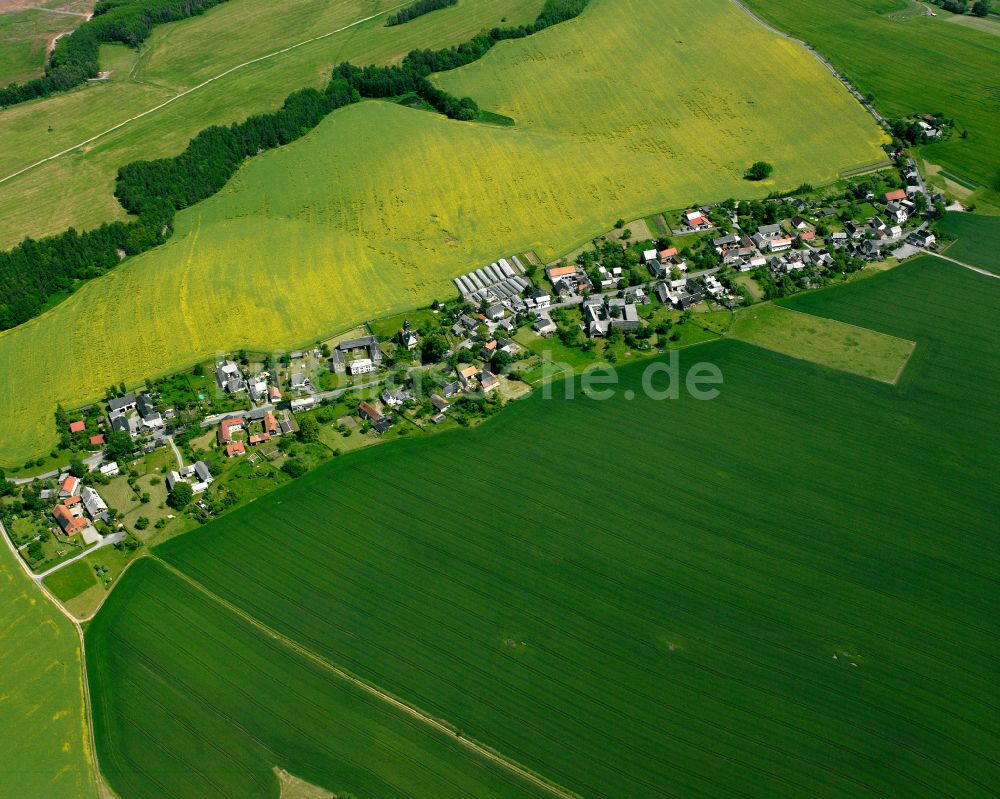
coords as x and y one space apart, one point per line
192 701
645 599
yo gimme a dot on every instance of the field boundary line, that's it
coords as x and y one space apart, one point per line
201 85
99 784
960 263
440 726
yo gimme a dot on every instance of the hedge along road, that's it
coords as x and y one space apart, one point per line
193 89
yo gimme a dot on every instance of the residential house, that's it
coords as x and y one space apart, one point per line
337 363
274 393
97 441
69 487
541 299
302 404
235 449
94 505
298 380
440 403
70 517
779 244
557 273
922 238
896 212
724 241
494 313
227 375
378 421
77 426
798 223
466 375
650 255
697 219
488 381
227 427
109 469
122 404
894 196
769 231
258 388
407 338
270 424
362 366
396 397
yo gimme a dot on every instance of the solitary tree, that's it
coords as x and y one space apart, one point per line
119 445
758 170
981 8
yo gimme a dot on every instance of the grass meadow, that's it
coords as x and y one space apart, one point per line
178 57
868 353
238 703
977 240
26 28
789 590
46 751
378 208
918 64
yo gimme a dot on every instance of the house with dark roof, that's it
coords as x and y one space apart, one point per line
122 404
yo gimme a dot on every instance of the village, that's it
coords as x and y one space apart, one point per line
154 461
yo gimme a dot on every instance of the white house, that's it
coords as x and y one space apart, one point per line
361 366
96 507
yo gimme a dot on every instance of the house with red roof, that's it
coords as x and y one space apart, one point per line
227 428
70 487
97 441
235 448
70 517
894 196
78 426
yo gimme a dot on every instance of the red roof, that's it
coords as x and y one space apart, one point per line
77 426
270 423
561 271
807 235
369 411
235 448
70 501
67 521
70 484
668 252
259 438
97 440
898 194
226 429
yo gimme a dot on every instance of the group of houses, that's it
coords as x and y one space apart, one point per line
256 427
79 508
357 356
137 415
197 475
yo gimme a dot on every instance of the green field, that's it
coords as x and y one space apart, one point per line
46 750
935 66
26 28
825 341
977 239
239 703
789 590
72 580
348 224
179 57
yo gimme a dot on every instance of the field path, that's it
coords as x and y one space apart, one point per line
959 263
833 70
479 749
193 89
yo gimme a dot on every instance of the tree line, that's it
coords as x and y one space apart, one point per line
36 270
75 58
418 9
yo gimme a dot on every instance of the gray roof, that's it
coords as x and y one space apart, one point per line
202 470
118 403
769 230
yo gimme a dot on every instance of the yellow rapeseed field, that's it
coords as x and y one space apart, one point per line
637 106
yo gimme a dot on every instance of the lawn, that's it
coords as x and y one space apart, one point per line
931 56
826 341
789 590
46 748
237 703
977 239
305 241
72 580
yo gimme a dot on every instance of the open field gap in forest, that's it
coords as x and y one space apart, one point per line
193 89
357 682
